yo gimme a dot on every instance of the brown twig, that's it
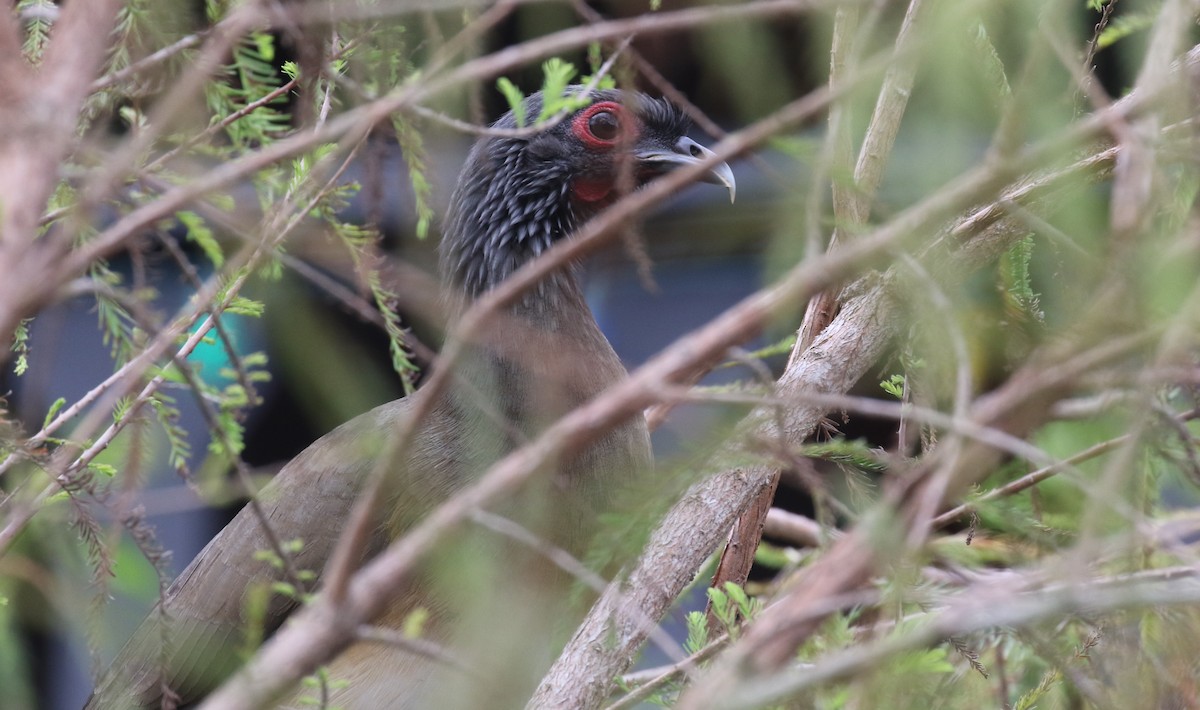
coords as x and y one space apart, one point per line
997 607
851 210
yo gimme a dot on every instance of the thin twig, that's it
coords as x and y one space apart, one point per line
416 646
150 60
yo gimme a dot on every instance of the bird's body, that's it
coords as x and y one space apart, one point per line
544 357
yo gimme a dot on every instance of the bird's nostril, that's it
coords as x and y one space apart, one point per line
696 152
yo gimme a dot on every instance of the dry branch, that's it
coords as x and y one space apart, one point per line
582 675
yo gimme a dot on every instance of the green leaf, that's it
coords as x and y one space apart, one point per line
201 235
254 605
36 17
120 409
719 599
894 386
746 606
736 594
412 148
251 76
782 347
851 452
993 65
53 411
1050 680
106 470
234 396
414 623
773 557
171 373
269 557
265 42
697 637
362 245
723 608
1124 26
557 76
514 97
595 56
167 415
595 61
232 438
1016 283
242 306
20 346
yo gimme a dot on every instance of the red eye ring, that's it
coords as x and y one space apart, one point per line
591 119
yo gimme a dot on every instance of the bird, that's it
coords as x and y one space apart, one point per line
519 192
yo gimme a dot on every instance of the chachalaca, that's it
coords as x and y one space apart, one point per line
515 197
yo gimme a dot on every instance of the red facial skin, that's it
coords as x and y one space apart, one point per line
597 190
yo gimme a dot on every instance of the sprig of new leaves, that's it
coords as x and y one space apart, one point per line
556 77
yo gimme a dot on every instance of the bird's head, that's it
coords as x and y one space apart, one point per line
517 195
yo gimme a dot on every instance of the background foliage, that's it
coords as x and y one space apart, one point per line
986 497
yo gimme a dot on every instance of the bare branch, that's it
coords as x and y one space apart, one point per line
981 610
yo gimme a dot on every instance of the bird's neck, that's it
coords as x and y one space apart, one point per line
549 331
507 210
542 354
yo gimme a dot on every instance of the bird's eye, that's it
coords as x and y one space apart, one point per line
600 126
604 125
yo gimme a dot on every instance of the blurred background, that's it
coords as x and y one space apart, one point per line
328 361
